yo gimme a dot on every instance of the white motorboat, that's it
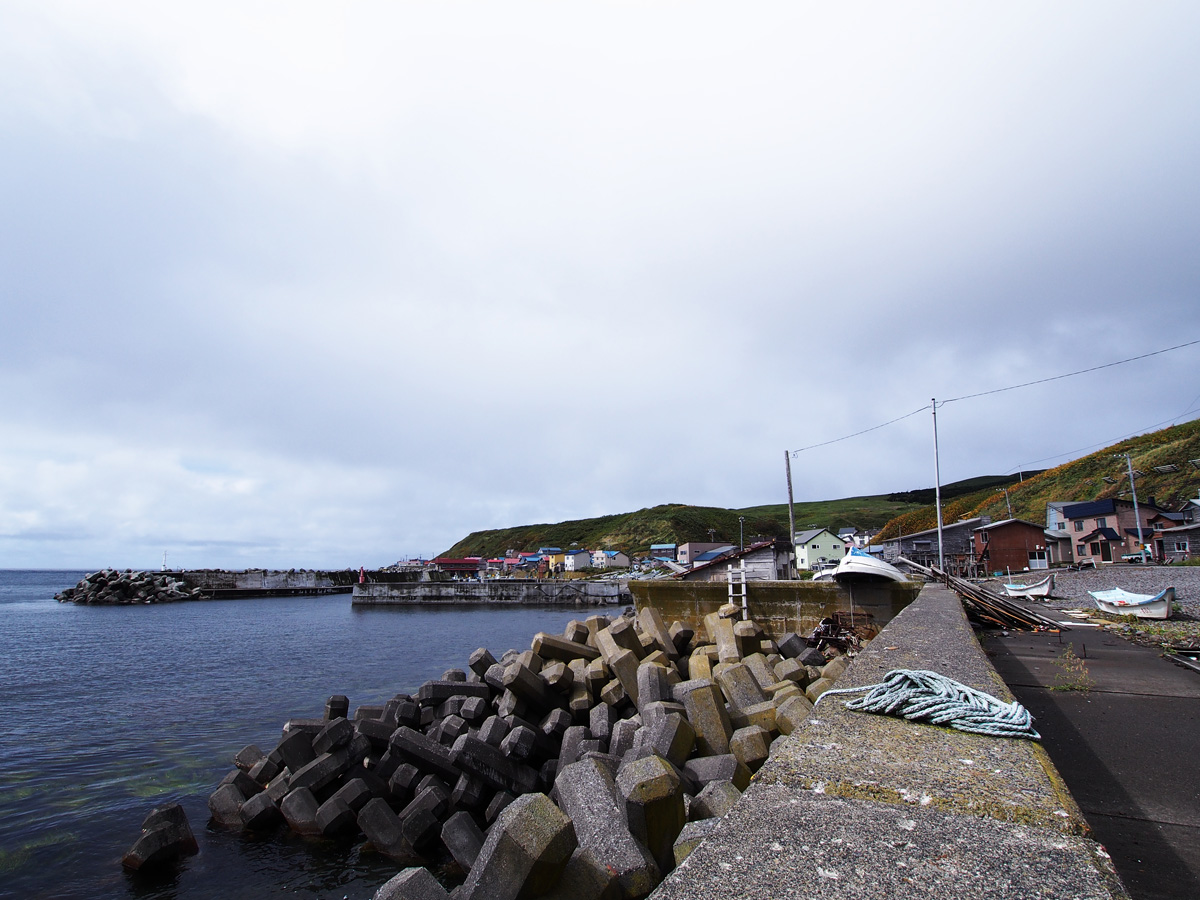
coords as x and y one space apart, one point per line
1145 606
1043 588
858 565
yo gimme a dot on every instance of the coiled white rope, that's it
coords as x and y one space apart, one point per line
916 694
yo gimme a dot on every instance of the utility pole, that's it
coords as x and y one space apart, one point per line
741 533
1136 515
937 489
787 463
1006 503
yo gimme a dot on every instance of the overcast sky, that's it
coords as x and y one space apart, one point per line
316 284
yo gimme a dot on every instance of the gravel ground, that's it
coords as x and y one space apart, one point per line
1070 592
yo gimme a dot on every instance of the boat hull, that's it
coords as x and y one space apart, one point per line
1040 589
859 566
1143 606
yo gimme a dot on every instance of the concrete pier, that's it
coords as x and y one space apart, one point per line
500 591
865 806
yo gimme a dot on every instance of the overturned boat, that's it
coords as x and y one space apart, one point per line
1145 606
1039 589
858 565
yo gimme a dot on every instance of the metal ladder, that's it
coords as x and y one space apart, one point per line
737 587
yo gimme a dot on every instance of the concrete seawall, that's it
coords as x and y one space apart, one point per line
856 805
566 593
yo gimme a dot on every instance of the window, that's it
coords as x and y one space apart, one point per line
1181 547
1062 526
983 536
1080 550
1102 522
1078 526
1095 548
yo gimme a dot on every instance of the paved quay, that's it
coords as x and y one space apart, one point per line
854 805
1128 748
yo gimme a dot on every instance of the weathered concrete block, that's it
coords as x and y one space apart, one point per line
338 733
299 810
414 883
714 800
596 624
463 839
448 730
454 675
403 780
681 636
474 710
531 660
572 737
525 852
337 707
296 749
700 666
335 817
420 827
781 691
493 730
835 667
654 806
706 713
246 785
377 731
322 771
425 754
247 757
558 677
791 670
480 661
576 631
723 637
555 724
672 737
811 656
596 675
585 878
652 712
434 693
450 707
751 745
691 836
525 684
623 735
354 793
519 743
260 813
817 688
550 646
740 687
790 714
706 769
368 711
601 718
613 694
652 624
469 793
588 795
496 805
624 666
266 768
620 635
652 684
761 714
166 837
225 804
382 828
493 676
763 674
491 765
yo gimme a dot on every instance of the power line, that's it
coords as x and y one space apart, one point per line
864 431
1119 362
1100 444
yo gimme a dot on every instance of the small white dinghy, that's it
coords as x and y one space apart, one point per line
1145 606
859 565
1043 588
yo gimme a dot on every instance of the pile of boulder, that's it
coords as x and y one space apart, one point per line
585 767
111 586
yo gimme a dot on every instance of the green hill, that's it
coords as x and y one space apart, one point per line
676 523
1098 476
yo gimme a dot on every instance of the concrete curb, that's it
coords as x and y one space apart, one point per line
874 806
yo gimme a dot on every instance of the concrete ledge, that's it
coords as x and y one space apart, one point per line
859 805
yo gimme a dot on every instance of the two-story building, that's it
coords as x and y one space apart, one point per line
577 560
687 553
764 561
958 546
1011 545
816 546
1102 531
610 559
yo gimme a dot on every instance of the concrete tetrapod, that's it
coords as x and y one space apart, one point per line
525 853
588 794
654 806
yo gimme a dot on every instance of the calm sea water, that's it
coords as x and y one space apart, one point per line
110 711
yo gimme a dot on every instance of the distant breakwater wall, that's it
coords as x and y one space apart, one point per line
510 591
779 606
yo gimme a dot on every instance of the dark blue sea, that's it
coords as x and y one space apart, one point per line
109 711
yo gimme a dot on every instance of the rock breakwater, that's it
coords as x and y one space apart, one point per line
111 586
585 767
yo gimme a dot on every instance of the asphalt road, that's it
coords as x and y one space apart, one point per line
1128 748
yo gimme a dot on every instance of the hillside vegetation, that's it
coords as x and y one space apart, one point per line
1098 476
676 523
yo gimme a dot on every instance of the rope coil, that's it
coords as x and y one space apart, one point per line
919 695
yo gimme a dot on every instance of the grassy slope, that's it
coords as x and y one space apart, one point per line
674 523
1081 480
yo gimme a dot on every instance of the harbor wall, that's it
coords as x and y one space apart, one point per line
779 606
500 591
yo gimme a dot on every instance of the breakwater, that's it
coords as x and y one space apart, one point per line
586 766
499 591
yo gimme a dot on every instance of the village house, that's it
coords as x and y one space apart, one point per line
818 545
662 551
577 560
764 561
1177 543
1103 531
1012 545
610 559
687 553
958 546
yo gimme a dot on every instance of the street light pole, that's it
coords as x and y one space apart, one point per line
937 489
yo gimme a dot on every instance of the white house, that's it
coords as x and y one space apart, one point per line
609 559
577 560
818 545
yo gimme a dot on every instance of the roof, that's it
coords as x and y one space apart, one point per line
1106 533
803 537
1178 529
1090 509
709 555
662 546
842 531
1004 522
549 550
613 552
1053 534
933 531
737 554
